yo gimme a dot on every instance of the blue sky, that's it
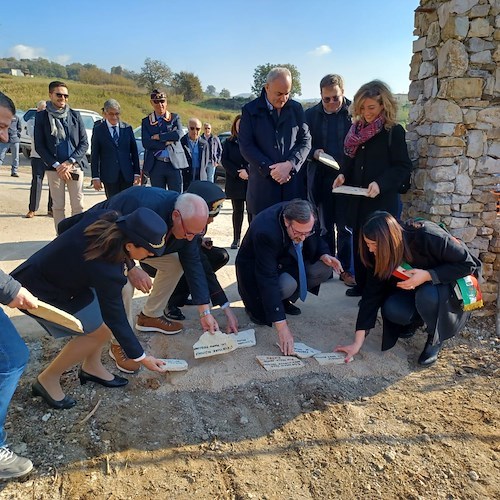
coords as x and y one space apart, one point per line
222 41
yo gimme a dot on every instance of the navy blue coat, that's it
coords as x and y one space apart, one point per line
59 274
267 251
232 161
45 142
108 159
264 143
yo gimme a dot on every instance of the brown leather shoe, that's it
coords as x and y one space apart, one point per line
347 278
29 215
122 361
161 324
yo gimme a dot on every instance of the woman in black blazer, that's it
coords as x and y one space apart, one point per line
423 292
236 179
376 159
82 273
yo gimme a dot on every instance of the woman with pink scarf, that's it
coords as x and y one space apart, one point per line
377 159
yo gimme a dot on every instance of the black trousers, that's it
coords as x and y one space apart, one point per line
238 214
37 175
112 188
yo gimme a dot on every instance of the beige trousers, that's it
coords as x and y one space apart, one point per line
58 192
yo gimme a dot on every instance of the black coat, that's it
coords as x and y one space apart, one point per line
446 259
108 159
375 161
264 142
60 275
232 161
267 251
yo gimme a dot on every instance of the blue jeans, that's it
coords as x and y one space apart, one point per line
13 359
210 171
14 151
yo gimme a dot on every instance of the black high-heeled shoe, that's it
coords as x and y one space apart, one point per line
38 389
115 382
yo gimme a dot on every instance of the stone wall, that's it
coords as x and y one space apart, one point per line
454 126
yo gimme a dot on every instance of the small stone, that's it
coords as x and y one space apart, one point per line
474 475
46 417
244 420
390 456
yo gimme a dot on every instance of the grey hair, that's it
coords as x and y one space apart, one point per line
278 72
111 104
299 211
194 119
41 105
191 205
7 102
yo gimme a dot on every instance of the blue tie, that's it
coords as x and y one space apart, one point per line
302 272
115 135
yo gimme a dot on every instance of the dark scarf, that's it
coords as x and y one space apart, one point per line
361 132
55 117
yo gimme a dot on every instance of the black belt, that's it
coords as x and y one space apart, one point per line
164 160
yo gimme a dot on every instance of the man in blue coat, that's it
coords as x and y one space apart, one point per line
274 138
114 159
279 241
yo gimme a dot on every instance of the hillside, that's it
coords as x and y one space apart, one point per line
26 92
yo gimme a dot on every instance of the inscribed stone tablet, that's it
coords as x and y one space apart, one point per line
214 344
331 358
271 363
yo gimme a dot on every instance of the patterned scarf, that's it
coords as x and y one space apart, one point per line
361 132
55 117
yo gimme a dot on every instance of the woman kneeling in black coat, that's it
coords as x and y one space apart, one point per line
423 294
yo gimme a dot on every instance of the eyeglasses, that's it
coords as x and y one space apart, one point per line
66 96
305 234
159 101
186 233
335 98
195 128
208 128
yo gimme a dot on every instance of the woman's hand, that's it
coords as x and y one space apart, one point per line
338 181
354 348
373 190
153 364
417 278
140 279
24 300
243 174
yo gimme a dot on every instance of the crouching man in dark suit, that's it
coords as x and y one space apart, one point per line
280 259
114 159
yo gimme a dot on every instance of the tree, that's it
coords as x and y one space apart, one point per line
225 94
210 90
260 74
188 85
154 74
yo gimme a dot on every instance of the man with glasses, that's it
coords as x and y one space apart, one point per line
163 154
281 258
114 160
329 122
215 151
197 152
61 141
274 139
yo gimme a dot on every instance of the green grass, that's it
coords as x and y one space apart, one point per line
26 92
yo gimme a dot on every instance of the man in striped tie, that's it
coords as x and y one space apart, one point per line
114 157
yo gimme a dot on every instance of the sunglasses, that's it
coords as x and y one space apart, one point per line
195 128
66 96
159 101
335 98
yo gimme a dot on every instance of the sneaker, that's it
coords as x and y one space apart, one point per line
122 361
347 278
161 324
174 313
14 174
12 465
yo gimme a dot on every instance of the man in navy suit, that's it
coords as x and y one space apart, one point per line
268 265
62 143
114 159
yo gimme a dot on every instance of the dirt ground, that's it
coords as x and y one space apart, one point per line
380 427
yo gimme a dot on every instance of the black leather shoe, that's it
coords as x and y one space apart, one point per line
235 244
115 382
175 313
254 319
38 389
291 309
429 354
355 291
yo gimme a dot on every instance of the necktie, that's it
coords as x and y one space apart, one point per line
302 272
115 135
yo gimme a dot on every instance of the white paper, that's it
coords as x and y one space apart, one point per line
304 351
174 365
356 191
245 338
214 344
331 358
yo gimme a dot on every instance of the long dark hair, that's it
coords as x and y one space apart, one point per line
383 229
106 241
234 132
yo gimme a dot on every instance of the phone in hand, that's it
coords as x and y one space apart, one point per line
74 175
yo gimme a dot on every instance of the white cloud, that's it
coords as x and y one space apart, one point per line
320 51
62 59
25 52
